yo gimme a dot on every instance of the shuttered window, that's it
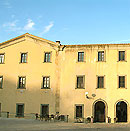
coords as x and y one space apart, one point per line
100 82
80 81
121 55
121 81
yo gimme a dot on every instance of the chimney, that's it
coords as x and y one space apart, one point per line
58 42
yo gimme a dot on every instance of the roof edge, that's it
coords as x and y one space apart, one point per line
18 37
97 44
30 35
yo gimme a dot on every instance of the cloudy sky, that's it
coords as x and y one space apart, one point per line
70 21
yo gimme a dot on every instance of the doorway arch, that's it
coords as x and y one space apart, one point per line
99 108
121 111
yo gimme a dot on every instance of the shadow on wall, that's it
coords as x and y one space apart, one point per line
32 96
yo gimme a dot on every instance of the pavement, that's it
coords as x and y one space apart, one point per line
15 124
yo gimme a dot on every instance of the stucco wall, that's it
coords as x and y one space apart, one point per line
111 68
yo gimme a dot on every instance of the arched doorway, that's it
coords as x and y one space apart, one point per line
99 112
121 111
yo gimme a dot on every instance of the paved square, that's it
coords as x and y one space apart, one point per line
12 124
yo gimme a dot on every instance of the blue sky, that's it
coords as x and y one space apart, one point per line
70 21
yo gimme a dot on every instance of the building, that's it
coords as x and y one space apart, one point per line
45 77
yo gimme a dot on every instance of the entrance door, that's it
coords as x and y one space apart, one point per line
20 110
121 111
99 112
44 110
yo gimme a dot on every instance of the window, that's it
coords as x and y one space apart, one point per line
46 82
23 58
80 81
20 110
101 56
44 110
100 83
22 82
47 57
79 111
121 55
121 81
80 56
2 56
1 81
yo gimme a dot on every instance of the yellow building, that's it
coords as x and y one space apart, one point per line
45 77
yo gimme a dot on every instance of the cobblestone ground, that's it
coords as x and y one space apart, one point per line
11 124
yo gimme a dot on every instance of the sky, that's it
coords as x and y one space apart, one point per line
70 21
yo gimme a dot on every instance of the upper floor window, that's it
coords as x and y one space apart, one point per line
22 82
1 81
23 58
101 56
100 82
121 55
2 56
121 81
47 57
46 82
80 81
80 56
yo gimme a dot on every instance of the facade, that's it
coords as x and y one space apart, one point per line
45 77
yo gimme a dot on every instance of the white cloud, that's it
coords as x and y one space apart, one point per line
12 26
29 25
48 27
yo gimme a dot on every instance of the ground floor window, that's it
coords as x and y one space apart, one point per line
79 111
44 110
20 110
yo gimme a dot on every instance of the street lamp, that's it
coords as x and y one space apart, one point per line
86 94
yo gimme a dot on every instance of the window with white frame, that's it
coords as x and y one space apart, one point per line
46 82
47 57
22 82
23 58
2 56
80 56
100 55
